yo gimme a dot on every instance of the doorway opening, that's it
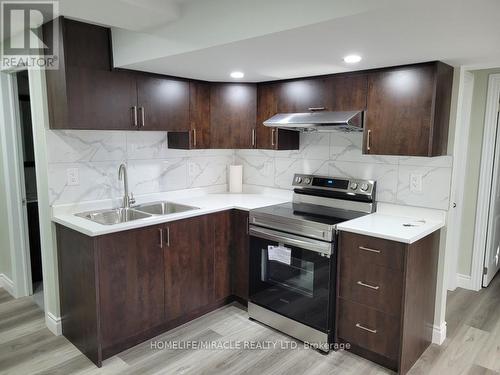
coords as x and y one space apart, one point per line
29 185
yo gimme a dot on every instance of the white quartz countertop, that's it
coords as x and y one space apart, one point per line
392 227
388 222
206 203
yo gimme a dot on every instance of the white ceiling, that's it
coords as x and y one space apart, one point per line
459 32
276 39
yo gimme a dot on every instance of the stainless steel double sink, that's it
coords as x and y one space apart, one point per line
142 211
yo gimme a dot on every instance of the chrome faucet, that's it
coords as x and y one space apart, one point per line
122 175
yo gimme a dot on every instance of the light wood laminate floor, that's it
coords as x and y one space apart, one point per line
27 346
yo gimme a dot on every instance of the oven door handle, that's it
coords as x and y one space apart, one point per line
292 240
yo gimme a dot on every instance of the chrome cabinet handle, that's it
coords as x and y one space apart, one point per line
366 329
168 237
134 110
315 109
375 287
194 138
368 140
370 250
143 117
272 136
161 237
253 137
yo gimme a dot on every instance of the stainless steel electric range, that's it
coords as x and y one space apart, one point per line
293 255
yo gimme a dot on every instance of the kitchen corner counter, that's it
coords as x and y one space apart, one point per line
207 202
401 225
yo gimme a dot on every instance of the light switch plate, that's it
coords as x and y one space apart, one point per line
72 177
415 183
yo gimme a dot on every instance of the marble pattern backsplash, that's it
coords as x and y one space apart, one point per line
339 154
155 168
152 167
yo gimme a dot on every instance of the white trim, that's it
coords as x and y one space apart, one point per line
439 333
464 281
458 178
485 179
53 323
8 137
7 284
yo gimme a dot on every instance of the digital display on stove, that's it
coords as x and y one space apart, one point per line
330 182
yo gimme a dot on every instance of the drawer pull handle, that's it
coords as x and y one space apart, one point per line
375 287
370 250
366 329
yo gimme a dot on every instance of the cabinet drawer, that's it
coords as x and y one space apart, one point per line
369 328
372 250
375 286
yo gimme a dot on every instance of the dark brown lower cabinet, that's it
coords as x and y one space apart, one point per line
120 289
386 297
240 253
189 262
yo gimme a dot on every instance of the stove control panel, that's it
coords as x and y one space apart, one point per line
340 184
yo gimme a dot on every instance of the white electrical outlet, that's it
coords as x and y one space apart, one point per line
191 169
72 176
415 183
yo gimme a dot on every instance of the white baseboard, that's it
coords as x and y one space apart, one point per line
464 281
439 333
7 284
53 323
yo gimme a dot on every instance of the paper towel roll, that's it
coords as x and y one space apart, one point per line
235 178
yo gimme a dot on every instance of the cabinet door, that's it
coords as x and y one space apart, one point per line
199 113
222 254
346 92
163 102
240 246
399 111
301 95
233 111
131 282
272 138
189 266
99 99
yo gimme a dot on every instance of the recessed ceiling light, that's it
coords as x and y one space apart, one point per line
237 75
351 59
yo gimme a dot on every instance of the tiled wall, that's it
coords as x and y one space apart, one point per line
339 154
152 166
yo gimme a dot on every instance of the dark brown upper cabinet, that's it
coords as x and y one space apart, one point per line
267 106
301 95
84 93
408 110
345 92
162 103
233 115
198 134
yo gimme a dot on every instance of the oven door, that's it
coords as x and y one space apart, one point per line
293 276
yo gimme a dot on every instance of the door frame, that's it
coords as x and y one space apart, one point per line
485 181
40 124
16 212
460 155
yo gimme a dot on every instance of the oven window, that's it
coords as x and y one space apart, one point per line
295 282
298 276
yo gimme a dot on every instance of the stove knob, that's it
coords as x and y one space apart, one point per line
307 180
298 179
364 187
354 186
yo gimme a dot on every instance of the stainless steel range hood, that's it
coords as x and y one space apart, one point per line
321 120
